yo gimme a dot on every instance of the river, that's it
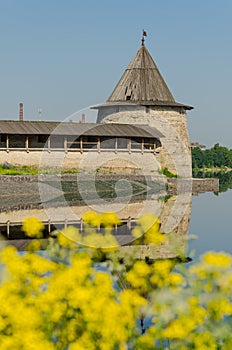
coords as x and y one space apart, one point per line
211 221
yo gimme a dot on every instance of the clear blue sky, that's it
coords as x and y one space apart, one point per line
64 55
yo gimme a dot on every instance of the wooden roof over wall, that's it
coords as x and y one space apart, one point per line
11 127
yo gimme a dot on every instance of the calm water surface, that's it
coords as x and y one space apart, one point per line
211 221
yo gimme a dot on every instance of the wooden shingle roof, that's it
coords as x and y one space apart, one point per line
142 84
14 127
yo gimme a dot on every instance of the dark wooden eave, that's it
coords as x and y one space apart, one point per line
143 103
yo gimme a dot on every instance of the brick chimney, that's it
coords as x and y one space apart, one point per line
83 118
21 112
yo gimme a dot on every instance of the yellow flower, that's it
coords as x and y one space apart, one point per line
34 245
180 328
8 254
92 218
175 330
161 270
33 227
217 259
154 237
175 279
148 221
204 341
71 304
149 226
131 297
69 237
138 276
163 267
106 242
109 219
219 308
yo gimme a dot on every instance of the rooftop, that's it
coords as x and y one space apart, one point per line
142 84
16 127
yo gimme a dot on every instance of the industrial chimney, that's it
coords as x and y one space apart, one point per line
83 118
21 112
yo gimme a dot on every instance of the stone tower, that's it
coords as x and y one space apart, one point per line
142 97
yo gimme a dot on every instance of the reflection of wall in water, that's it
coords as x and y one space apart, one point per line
174 216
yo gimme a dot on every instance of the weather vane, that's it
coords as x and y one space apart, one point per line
144 34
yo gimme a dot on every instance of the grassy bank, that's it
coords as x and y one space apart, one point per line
32 170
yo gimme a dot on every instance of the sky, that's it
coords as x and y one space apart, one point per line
61 56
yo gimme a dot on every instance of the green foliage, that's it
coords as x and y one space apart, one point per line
215 157
167 173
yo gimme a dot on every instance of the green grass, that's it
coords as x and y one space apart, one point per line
33 170
19 170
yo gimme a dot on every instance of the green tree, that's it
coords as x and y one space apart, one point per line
217 156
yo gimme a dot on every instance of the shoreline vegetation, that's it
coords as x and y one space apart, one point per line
215 159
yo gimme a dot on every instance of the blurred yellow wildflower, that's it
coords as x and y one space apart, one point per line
175 279
91 218
219 308
149 221
109 219
69 237
33 227
220 259
138 276
149 228
34 246
204 341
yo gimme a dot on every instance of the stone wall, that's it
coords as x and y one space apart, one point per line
134 162
195 186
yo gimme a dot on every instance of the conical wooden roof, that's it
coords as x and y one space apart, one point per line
141 82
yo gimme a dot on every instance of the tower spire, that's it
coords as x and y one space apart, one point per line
143 37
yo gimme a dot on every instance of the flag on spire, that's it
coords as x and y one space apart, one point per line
144 34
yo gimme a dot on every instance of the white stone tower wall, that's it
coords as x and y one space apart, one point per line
175 152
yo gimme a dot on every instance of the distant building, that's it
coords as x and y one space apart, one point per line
197 144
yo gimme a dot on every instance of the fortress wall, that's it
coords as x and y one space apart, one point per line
105 161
